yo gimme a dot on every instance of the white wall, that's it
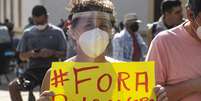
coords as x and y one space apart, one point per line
1 11
140 7
56 9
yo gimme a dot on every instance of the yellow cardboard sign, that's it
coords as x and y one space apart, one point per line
71 81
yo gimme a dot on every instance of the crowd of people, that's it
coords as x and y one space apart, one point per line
90 34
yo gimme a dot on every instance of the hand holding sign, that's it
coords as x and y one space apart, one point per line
45 96
161 93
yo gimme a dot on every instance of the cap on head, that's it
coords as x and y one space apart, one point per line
39 10
131 17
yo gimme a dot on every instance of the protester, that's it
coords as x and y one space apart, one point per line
128 45
91 29
177 55
171 17
40 45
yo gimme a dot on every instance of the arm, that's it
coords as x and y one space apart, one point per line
158 53
24 56
178 91
24 52
59 51
46 82
45 93
45 53
59 54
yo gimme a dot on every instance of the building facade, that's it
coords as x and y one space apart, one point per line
18 11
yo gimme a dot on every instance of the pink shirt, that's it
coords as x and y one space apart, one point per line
178 58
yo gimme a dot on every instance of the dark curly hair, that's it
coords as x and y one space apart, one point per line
77 6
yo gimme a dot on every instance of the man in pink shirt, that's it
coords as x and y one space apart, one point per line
177 56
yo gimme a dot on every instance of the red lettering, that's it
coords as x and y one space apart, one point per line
99 83
152 100
59 78
96 100
61 95
129 99
145 83
84 99
144 99
121 80
76 71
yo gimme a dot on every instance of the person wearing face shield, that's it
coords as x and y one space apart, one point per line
91 30
40 45
177 55
128 45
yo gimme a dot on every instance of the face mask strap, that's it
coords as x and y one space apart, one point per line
93 14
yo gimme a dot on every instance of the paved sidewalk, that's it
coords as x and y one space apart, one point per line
4 94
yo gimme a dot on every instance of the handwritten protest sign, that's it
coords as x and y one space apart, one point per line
71 81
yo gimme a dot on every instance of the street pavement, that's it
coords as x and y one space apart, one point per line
4 94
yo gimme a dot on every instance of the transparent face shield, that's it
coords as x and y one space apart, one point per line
92 19
92 31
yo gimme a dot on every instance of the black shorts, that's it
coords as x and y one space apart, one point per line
31 78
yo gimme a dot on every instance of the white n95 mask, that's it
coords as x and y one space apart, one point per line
41 27
94 42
